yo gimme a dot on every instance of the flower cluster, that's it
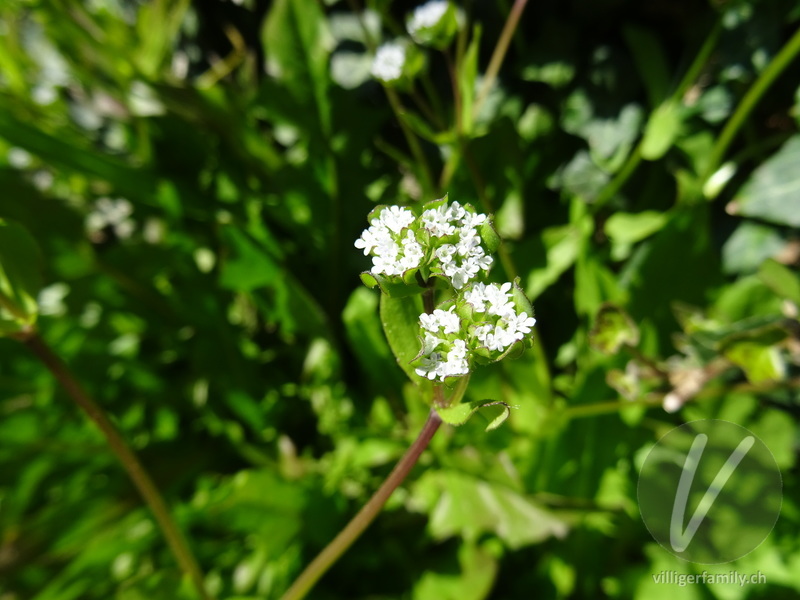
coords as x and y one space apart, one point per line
433 24
388 63
477 323
446 239
464 258
443 354
426 16
482 324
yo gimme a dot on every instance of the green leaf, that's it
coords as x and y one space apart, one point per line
784 282
760 363
400 319
478 568
468 506
489 237
460 413
630 228
749 246
661 131
613 329
363 329
771 192
20 276
298 44
626 229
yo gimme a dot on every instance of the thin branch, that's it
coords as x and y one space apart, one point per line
130 462
331 553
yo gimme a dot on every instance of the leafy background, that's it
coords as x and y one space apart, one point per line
222 325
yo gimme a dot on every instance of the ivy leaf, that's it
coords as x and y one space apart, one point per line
771 192
461 413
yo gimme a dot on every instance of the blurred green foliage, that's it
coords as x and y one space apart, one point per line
194 175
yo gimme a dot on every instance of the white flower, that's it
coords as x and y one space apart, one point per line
389 60
111 213
519 324
412 252
438 221
427 15
498 296
395 218
447 321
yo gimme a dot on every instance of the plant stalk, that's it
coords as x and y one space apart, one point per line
136 471
331 553
748 103
499 53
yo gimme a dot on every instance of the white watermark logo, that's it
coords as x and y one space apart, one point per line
668 577
723 477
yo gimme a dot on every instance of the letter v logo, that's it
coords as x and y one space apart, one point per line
680 538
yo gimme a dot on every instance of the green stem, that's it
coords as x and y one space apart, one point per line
492 70
499 53
413 142
331 553
610 190
635 158
136 471
480 187
748 103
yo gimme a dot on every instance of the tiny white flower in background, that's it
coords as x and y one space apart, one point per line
427 15
111 213
19 158
389 60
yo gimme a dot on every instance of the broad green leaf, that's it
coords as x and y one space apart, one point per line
783 281
613 328
580 177
20 276
470 507
771 192
750 245
460 413
400 319
633 227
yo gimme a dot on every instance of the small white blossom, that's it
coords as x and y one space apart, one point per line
389 61
427 15
110 213
438 222
445 320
